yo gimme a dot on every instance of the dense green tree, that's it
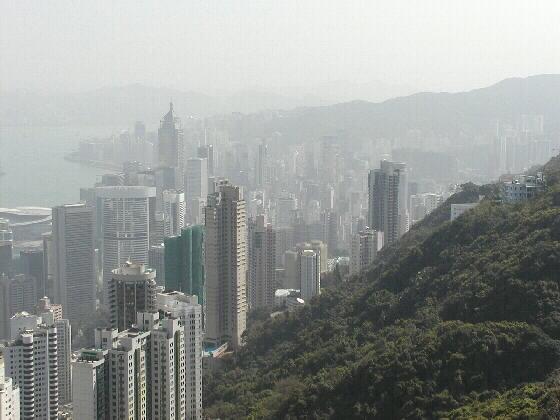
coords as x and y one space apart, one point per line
456 320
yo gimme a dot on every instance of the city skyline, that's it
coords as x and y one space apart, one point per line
297 209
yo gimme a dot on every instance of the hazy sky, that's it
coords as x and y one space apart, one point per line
208 45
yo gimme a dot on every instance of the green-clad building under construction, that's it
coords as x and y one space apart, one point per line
184 262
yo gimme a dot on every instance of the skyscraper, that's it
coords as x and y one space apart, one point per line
6 247
170 141
31 261
90 385
32 362
184 262
226 265
126 216
127 373
330 223
309 274
207 152
186 308
73 263
167 367
261 166
291 273
174 212
262 264
51 315
284 242
365 245
23 322
132 289
156 260
320 248
285 211
17 294
388 200
135 374
196 183
157 228
49 262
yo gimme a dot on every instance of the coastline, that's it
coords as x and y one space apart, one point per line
73 157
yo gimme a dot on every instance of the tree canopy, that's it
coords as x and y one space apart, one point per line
457 320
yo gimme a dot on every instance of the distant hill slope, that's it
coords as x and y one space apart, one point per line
450 322
126 104
449 114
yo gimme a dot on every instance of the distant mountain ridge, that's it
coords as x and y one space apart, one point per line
451 114
123 105
443 114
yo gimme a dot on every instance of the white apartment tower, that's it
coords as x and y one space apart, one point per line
32 362
90 384
136 374
49 316
167 370
226 265
9 396
23 321
46 315
364 248
64 356
73 269
187 309
126 213
126 370
174 212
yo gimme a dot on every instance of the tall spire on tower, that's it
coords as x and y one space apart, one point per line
169 116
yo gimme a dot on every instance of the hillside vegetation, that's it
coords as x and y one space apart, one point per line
457 320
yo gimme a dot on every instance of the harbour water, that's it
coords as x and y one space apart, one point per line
35 171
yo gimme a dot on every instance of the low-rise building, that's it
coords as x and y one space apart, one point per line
459 209
522 188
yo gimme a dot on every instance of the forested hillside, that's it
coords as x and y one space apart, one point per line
458 320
